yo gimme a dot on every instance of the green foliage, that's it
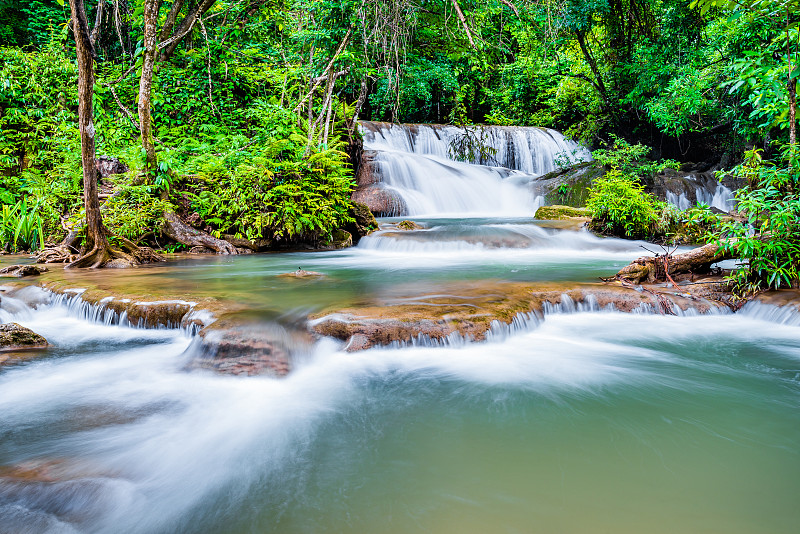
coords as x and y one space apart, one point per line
621 207
21 227
271 189
629 159
134 212
769 238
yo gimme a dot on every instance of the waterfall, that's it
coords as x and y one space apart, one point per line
416 163
721 198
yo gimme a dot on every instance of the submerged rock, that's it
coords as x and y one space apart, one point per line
249 350
408 225
16 337
300 273
19 271
472 311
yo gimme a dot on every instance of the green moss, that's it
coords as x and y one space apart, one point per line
555 213
408 225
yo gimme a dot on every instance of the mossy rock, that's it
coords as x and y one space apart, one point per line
569 187
408 225
15 337
339 239
557 213
365 222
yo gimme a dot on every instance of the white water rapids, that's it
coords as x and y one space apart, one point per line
604 413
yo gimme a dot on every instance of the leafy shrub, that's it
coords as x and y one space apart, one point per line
278 194
621 207
630 159
134 212
769 238
21 227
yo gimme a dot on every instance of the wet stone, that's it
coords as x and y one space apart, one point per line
16 337
20 271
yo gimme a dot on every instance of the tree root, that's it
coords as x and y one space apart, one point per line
177 229
101 256
56 254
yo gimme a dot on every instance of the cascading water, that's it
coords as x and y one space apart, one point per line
715 195
586 409
416 163
641 422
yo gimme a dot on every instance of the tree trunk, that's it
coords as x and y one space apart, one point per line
655 268
463 20
177 229
146 84
172 17
96 249
601 87
793 114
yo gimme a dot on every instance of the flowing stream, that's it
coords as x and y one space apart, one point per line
584 421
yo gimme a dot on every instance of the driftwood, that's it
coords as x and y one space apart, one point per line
177 229
659 268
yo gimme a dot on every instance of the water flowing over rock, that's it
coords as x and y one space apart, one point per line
411 169
686 189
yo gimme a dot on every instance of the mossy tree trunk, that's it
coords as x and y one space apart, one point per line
150 20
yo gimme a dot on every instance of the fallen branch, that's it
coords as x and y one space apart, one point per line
649 268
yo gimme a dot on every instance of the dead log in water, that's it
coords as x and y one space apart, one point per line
657 268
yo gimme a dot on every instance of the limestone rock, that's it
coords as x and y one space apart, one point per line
16 337
109 165
365 222
263 350
408 225
557 213
339 240
300 273
368 170
380 200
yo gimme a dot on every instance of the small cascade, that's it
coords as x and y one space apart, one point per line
20 305
721 198
715 195
416 167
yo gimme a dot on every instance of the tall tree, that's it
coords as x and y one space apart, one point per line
784 14
96 250
150 16
160 43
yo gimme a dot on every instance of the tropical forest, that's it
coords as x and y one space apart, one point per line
399 266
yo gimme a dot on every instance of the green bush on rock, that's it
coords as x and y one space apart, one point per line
620 207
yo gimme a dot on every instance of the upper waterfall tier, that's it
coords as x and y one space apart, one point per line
411 169
530 150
